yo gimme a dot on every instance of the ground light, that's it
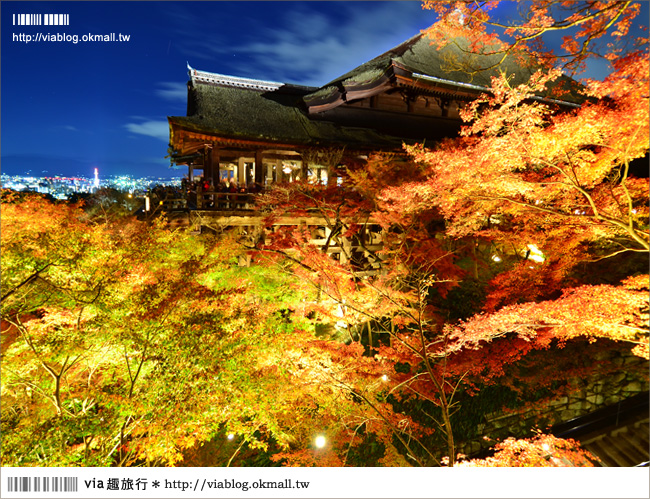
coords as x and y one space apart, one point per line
535 254
320 441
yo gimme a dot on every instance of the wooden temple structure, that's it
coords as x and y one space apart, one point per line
257 131
260 132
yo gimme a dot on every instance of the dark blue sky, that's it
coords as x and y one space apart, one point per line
70 107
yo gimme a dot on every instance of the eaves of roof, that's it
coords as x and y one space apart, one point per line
416 63
245 114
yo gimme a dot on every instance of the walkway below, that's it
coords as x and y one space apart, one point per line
619 434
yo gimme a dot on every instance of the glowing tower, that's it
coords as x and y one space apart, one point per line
96 182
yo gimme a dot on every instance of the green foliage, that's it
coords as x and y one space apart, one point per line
271 284
125 343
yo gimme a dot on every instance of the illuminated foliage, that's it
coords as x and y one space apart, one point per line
539 451
126 343
588 29
618 313
527 197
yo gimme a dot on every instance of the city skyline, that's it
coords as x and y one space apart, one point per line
63 188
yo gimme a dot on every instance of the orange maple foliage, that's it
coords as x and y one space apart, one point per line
526 172
588 29
539 451
618 313
519 163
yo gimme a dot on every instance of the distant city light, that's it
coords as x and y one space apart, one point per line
62 187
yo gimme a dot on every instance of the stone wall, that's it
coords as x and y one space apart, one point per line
586 396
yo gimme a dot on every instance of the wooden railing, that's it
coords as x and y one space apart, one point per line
171 204
204 200
213 200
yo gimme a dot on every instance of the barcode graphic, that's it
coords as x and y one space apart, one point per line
41 19
42 484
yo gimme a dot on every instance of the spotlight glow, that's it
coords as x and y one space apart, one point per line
320 441
535 254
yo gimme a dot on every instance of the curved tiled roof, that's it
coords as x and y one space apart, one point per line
248 113
416 57
235 108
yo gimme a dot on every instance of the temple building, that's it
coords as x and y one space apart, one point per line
257 131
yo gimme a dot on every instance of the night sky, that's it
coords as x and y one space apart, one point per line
68 108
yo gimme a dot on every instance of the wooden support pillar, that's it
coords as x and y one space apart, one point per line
304 170
410 106
215 175
279 172
269 173
241 172
207 163
326 234
444 104
259 167
346 250
199 196
331 175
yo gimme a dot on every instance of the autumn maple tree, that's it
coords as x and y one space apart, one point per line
546 189
373 297
587 30
128 343
536 193
536 176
